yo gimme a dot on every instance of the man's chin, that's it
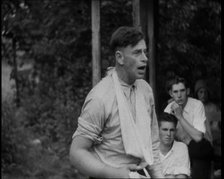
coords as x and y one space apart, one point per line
141 76
180 102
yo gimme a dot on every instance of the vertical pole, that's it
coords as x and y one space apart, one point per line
152 45
136 13
96 65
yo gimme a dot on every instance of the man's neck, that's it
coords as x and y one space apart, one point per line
122 75
183 105
164 149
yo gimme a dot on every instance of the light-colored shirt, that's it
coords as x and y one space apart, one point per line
194 113
99 121
176 161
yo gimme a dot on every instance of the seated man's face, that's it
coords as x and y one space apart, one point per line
179 93
166 132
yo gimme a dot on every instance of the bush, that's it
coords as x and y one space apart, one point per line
36 137
7 136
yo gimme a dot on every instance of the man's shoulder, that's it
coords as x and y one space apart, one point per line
168 107
143 85
180 146
103 88
105 82
193 104
194 101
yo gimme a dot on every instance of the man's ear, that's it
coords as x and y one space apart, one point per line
170 93
119 57
188 91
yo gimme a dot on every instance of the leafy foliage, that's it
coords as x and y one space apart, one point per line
56 36
189 44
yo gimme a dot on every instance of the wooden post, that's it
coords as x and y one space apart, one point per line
96 65
136 13
152 45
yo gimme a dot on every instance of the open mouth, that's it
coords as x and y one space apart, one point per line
141 68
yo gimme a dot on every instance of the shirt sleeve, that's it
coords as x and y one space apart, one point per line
182 161
168 108
91 120
199 117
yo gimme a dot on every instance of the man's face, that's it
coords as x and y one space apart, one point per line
135 61
179 93
166 132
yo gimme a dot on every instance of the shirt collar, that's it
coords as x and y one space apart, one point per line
170 151
124 84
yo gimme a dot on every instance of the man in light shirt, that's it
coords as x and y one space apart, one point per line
191 127
117 134
173 154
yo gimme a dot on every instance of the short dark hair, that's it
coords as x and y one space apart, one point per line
175 80
125 36
167 118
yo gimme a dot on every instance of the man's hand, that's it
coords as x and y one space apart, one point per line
177 110
134 167
170 176
129 168
194 133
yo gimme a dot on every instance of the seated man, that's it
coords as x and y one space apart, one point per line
174 155
191 126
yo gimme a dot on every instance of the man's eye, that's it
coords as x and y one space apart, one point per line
137 52
146 54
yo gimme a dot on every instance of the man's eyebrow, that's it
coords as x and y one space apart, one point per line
183 89
172 129
139 50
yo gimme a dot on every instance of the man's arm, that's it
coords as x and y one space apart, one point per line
181 176
195 134
85 161
183 162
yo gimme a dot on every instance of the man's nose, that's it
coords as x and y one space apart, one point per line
168 133
144 57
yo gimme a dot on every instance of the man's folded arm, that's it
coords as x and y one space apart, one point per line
88 164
